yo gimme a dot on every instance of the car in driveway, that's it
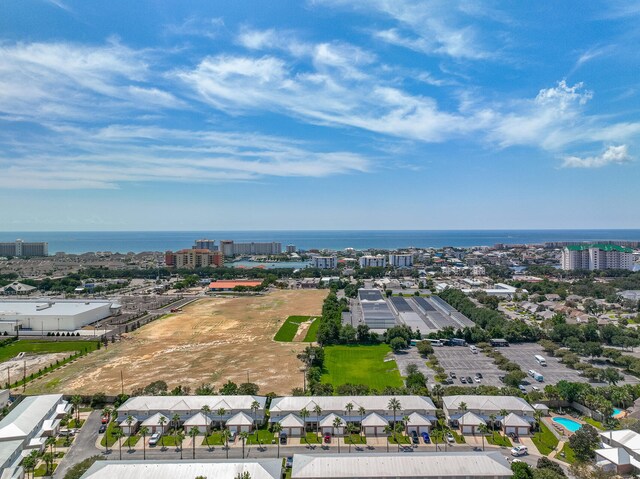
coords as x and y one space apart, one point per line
102 429
289 462
283 438
426 438
450 439
155 437
327 438
414 437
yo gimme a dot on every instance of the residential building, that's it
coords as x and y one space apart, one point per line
240 412
21 248
211 468
368 261
194 258
398 260
470 412
372 413
17 288
230 248
27 427
418 465
325 262
205 244
620 452
596 257
291 248
43 315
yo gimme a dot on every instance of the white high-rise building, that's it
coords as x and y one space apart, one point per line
325 262
372 261
404 260
596 257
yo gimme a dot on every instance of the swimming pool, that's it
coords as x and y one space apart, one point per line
568 424
616 411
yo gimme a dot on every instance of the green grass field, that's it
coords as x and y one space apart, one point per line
312 332
498 439
289 328
43 347
544 440
262 436
360 365
567 454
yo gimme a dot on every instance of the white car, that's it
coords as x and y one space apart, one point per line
519 451
154 439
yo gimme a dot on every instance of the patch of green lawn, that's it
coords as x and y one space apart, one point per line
73 425
41 470
43 347
360 365
131 441
109 439
498 439
355 439
64 441
261 436
312 332
458 437
214 439
289 328
399 439
566 454
544 440
311 438
593 422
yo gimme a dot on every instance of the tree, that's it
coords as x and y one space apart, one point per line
193 433
76 400
221 412
546 463
175 421
349 409
584 441
242 475
462 406
337 424
226 435
206 410
277 429
483 430
179 440
362 411
610 375
48 460
29 463
229 389
304 414
394 405
162 421
118 434
243 435
318 410
521 470
503 413
388 430
255 405
129 422
144 430
397 344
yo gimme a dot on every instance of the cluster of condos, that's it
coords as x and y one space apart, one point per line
596 257
397 260
206 253
21 248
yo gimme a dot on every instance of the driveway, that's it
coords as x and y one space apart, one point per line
83 447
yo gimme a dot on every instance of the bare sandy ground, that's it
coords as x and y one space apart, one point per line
14 369
212 341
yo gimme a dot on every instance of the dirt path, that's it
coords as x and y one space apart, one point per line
212 341
302 330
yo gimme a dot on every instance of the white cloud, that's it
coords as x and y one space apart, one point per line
195 26
613 155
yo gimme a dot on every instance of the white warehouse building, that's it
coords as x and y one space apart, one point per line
43 315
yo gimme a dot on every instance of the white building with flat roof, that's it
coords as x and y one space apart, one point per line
369 261
211 468
418 465
401 260
47 314
596 257
325 262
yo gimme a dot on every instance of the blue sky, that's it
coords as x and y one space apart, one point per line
319 114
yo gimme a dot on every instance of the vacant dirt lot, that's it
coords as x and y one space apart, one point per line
212 341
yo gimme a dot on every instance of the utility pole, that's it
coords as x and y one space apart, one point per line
121 382
24 377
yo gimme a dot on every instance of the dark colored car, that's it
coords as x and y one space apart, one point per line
283 438
414 437
426 438
479 375
452 374
463 380
469 380
102 429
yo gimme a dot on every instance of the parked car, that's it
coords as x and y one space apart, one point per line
426 438
450 438
535 388
155 437
519 451
469 380
102 429
414 437
463 380
452 374
477 379
327 438
501 378
105 419
283 438
479 375
522 388
66 432
232 436
289 462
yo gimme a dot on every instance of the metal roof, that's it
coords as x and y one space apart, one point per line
27 415
416 465
602 247
189 403
218 469
487 403
50 307
338 403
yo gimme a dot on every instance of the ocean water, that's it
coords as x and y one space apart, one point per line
137 241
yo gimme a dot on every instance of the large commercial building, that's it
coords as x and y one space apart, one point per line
372 261
375 310
325 262
20 248
596 257
43 315
205 244
194 258
230 248
404 260
26 428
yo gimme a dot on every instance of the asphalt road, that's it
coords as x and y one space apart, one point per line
83 447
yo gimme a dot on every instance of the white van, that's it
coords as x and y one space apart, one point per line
473 349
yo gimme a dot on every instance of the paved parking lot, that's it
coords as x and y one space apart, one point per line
523 354
463 362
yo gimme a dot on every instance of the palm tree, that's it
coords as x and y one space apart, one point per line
318 410
179 439
162 421
437 391
118 434
144 430
348 408
492 418
277 429
48 460
405 421
206 410
129 421
175 421
304 413
394 405
351 428
483 430
255 405
221 412
462 406
504 413
243 435
337 423
29 463
193 432
50 442
76 400
362 411
388 430
226 434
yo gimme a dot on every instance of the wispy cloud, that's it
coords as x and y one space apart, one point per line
60 4
613 155
199 27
